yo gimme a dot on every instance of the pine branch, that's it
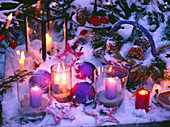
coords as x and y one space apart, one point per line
20 77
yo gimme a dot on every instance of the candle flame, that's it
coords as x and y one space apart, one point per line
35 88
112 80
47 35
110 69
56 79
64 67
64 76
58 67
10 17
28 28
22 55
143 92
41 12
18 52
54 3
108 3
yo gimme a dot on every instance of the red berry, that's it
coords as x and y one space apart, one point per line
13 44
104 20
83 32
1 37
94 20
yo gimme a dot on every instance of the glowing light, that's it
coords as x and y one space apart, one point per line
18 52
143 92
22 55
35 88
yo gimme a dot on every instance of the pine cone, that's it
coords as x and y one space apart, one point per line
143 42
82 16
136 52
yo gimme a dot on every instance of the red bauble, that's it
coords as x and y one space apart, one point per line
13 44
104 20
94 20
83 32
2 37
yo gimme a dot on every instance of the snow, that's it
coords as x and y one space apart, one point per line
126 113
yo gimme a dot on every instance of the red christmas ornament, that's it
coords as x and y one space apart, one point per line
104 20
83 32
13 44
94 20
2 37
69 51
101 119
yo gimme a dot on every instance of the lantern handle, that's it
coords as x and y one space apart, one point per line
145 31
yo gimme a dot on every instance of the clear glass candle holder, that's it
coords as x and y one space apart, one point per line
110 84
33 93
21 60
61 81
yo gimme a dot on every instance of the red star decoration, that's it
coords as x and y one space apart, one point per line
69 51
61 112
101 119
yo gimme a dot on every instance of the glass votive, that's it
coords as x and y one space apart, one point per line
61 81
110 84
21 60
33 93
142 99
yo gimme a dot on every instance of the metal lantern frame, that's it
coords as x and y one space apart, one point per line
45 22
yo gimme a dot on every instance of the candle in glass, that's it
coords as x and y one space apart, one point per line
9 21
142 99
64 83
35 96
48 42
21 61
110 88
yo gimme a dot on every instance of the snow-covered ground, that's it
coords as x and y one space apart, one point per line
126 114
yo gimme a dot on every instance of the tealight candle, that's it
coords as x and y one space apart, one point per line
35 96
21 61
9 21
142 99
110 88
48 42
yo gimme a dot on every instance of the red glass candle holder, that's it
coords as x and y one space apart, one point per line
142 99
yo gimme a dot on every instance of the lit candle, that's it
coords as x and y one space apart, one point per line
64 83
48 42
21 61
9 21
142 99
35 96
110 88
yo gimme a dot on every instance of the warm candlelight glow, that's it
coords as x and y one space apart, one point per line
9 21
21 61
143 92
35 88
48 42
54 3
108 3
110 69
10 17
41 12
64 83
64 76
58 67
57 79
22 55
18 52
28 28
112 80
64 67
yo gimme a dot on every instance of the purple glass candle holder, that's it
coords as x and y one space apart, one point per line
110 83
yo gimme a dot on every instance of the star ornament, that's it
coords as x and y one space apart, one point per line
60 111
100 118
69 56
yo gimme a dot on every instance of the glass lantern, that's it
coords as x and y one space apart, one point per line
33 93
61 80
110 83
42 31
21 60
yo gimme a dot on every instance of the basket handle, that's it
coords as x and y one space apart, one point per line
145 31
